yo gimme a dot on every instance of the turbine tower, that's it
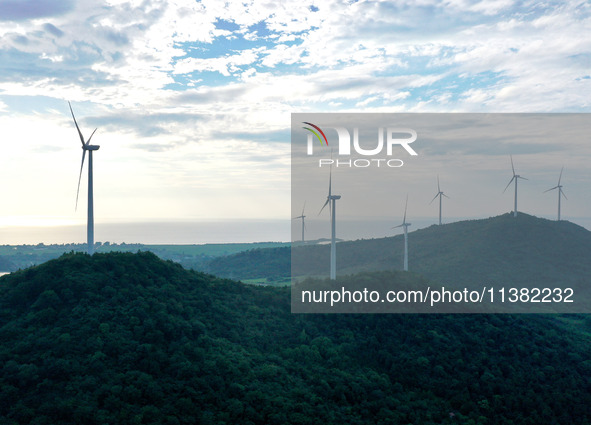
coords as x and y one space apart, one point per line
303 222
515 177
560 191
86 146
331 202
440 194
405 225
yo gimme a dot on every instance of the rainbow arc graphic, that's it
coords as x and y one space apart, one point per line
315 131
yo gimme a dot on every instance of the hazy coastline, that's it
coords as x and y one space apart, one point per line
222 231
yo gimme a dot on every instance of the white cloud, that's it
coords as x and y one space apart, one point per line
136 66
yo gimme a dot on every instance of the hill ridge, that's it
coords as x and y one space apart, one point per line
129 338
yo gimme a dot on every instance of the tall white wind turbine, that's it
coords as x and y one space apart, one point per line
560 191
86 146
514 178
303 217
332 206
440 194
405 225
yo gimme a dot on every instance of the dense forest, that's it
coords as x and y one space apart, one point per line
123 338
254 263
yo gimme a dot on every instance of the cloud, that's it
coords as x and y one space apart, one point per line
264 136
152 147
52 29
147 124
22 10
198 95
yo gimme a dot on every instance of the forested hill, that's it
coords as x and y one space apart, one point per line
255 263
503 249
131 339
498 250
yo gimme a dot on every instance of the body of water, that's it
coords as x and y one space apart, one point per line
153 233
226 231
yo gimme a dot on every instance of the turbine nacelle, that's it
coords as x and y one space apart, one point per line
515 177
402 225
438 194
301 216
558 186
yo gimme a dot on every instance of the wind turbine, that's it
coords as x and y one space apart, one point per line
332 206
405 225
86 146
515 177
560 191
303 222
440 194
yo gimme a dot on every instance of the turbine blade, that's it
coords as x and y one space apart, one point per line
80 178
438 188
405 205
519 177
508 184
396 227
512 167
77 128
561 170
552 188
562 192
445 195
327 201
303 208
330 176
435 197
88 142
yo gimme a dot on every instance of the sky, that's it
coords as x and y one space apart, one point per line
364 163
192 100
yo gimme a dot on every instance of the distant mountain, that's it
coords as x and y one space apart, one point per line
126 338
499 250
6 264
254 263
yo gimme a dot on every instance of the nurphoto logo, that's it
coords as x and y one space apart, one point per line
402 137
